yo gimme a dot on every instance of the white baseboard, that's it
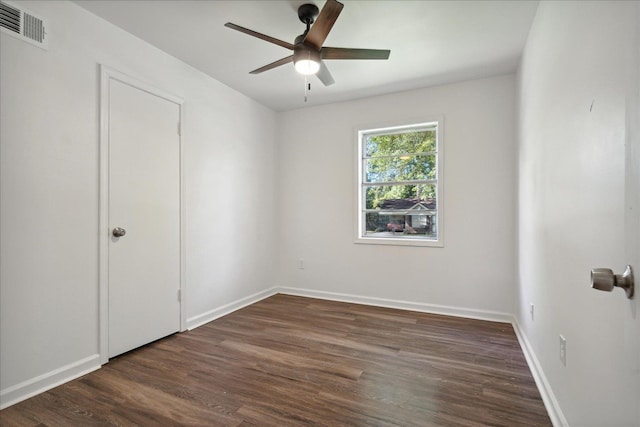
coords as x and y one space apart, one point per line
26 389
550 402
201 319
494 316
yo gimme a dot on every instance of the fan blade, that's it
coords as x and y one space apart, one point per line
324 75
320 29
259 35
346 53
275 64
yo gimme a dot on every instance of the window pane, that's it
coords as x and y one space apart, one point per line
399 184
401 197
400 143
401 168
406 226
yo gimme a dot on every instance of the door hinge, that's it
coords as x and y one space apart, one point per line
179 294
179 129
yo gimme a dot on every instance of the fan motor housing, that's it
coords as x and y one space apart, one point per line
301 52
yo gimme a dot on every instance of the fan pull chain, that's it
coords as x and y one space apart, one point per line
307 86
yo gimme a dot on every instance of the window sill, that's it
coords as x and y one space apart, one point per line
390 241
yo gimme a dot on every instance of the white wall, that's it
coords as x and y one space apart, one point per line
574 87
49 191
475 271
255 207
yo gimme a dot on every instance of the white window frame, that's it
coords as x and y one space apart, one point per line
363 131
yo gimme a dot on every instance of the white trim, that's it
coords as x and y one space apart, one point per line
201 319
103 226
106 75
183 222
400 126
398 241
41 383
470 313
546 392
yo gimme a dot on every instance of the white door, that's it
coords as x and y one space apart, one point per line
632 221
143 200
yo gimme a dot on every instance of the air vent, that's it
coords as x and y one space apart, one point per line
17 22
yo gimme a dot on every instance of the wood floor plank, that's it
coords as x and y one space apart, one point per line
293 361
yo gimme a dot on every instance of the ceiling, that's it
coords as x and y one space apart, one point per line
431 42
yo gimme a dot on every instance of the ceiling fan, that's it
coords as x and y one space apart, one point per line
308 52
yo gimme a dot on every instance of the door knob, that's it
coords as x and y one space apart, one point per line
119 232
603 279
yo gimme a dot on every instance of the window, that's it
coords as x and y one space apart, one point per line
400 185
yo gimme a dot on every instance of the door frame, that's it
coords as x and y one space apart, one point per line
108 74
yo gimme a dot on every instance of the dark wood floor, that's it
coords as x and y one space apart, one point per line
291 361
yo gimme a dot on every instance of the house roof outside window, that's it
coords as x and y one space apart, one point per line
408 207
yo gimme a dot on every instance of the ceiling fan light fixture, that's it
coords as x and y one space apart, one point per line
306 61
307 67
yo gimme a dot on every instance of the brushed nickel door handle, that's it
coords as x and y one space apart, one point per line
119 232
603 279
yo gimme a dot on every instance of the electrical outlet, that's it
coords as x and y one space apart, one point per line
301 264
531 310
563 350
